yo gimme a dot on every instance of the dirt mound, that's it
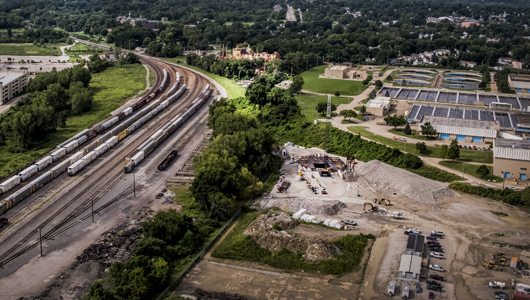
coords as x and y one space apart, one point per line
116 247
313 249
313 206
409 184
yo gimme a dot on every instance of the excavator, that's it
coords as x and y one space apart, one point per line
382 201
499 254
325 172
372 207
491 266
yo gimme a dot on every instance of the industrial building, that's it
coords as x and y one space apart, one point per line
468 130
152 24
519 83
339 72
411 261
12 83
511 158
378 106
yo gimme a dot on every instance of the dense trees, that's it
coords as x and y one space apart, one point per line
54 96
428 130
396 120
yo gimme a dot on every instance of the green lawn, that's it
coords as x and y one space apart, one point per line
364 101
470 169
151 77
79 49
485 157
330 86
233 90
30 49
309 102
111 88
414 135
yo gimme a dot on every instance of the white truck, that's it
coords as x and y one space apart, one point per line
436 268
406 291
437 255
391 288
497 284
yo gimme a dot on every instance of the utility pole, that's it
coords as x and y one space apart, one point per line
134 185
40 240
92 200
328 123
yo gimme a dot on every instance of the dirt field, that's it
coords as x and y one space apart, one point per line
472 226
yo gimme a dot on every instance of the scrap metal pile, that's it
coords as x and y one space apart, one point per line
112 249
313 162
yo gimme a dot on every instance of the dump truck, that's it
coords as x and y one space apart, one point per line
284 186
372 207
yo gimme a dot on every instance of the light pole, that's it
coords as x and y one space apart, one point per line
415 211
92 200
40 241
134 186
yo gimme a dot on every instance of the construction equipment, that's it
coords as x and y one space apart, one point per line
500 254
491 266
382 201
372 207
325 172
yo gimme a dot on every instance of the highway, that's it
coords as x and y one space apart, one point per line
64 205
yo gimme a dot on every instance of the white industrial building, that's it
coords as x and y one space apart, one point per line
12 83
410 268
465 130
378 106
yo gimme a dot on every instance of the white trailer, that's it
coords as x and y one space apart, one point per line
138 157
76 157
10 183
76 167
27 173
43 163
58 154
71 146
101 149
111 142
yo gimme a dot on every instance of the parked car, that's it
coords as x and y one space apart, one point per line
431 295
432 238
419 289
413 230
435 277
433 281
436 268
460 146
432 243
474 147
402 139
436 232
437 255
497 284
500 295
434 287
489 149
437 249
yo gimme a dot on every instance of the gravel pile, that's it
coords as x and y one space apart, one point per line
313 206
313 249
418 188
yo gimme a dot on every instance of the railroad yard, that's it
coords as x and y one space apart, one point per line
59 213
474 229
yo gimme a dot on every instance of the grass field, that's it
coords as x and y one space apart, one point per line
470 169
308 103
485 157
233 90
111 88
414 135
151 77
30 49
80 49
330 86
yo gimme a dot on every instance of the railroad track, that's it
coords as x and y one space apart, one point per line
83 205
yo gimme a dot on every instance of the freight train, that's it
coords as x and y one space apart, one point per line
140 153
82 158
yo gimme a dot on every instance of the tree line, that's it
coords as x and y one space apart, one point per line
53 97
37 36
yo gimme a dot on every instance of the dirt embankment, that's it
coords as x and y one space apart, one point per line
314 249
416 187
313 206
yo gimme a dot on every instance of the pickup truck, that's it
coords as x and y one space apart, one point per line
437 255
436 232
436 268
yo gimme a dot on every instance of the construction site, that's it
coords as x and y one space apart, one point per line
466 247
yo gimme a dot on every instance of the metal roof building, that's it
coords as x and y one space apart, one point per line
410 268
462 129
511 158
415 245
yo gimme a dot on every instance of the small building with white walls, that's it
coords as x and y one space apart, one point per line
379 106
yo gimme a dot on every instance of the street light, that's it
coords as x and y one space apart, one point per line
40 241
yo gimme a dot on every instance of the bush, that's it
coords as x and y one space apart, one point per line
520 198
